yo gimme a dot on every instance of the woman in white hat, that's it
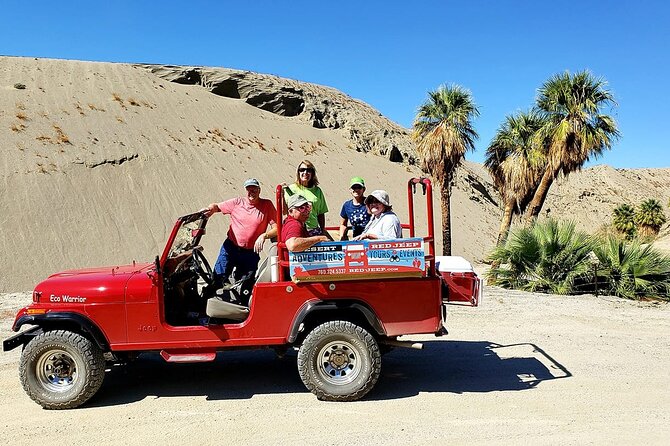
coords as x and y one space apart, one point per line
384 223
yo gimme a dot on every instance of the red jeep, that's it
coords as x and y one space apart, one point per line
83 319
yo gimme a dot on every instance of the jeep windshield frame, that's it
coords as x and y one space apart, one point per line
185 235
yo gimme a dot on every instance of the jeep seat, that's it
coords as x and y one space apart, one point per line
220 309
264 272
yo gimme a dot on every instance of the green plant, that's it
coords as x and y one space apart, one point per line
443 132
547 256
576 128
649 217
624 220
631 270
516 160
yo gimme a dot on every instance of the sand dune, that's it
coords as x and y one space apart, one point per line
99 160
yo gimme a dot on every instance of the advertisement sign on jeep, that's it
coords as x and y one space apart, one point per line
365 259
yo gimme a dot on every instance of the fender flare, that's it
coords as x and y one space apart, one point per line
314 305
62 320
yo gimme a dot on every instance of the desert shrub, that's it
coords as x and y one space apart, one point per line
631 270
548 256
553 257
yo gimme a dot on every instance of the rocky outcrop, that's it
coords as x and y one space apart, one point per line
322 107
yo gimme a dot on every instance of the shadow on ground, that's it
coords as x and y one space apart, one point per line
443 366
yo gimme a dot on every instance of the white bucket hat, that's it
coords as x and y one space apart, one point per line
381 195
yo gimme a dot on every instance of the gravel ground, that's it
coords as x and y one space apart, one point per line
521 368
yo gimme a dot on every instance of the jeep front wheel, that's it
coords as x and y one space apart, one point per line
61 370
339 361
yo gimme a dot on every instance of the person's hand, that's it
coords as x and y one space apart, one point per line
209 210
360 237
258 245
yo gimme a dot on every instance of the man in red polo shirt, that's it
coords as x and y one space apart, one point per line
294 232
252 221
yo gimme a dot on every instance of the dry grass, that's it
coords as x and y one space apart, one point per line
22 116
44 139
309 150
18 127
117 98
20 106
95 108
120 119
61 137
133 102
216 133
80 109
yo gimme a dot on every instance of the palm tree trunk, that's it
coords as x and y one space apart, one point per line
445 200
541 192
506 222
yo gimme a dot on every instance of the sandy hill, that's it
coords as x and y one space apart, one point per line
99 159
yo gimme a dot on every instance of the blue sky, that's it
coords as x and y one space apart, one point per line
387 53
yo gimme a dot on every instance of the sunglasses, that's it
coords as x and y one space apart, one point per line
357 187
373 201
302 207
306 169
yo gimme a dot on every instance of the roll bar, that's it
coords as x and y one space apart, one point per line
429 241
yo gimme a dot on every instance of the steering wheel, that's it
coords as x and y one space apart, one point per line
201 265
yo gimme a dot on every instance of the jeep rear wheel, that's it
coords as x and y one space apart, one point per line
339 361
61 370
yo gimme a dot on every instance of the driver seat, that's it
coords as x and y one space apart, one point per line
219 308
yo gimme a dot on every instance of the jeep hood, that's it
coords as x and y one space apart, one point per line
104 284
102 271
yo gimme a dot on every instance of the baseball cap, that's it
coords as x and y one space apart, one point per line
296 200
357 180
252 182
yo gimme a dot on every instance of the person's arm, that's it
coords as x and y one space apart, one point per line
344 228
268 234
368 236
298 244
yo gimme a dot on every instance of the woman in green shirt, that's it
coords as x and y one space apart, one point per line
307 185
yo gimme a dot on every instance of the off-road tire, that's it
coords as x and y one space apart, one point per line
61 370
339 361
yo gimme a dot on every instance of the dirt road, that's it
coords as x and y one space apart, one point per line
521 369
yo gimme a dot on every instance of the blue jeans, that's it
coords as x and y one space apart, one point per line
235 260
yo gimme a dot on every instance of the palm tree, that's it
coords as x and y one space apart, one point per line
576 129
624 220
443 132
516 162
649 217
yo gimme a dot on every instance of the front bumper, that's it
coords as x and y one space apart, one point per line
21 338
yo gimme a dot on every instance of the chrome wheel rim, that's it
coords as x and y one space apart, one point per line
57 370
339 362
